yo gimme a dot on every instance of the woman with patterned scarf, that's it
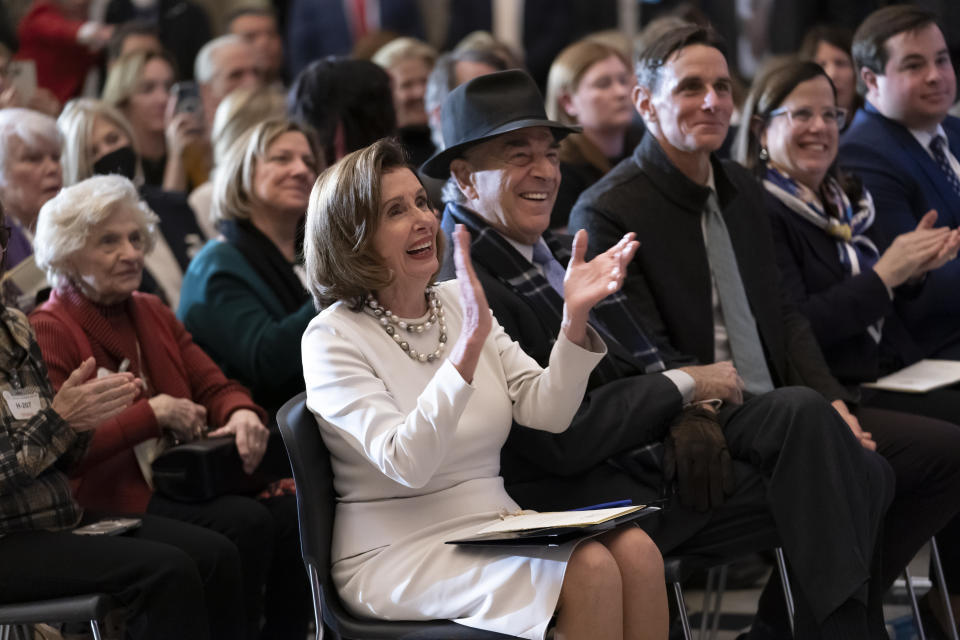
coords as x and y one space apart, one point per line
850 292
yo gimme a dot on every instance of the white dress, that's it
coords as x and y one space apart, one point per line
416 459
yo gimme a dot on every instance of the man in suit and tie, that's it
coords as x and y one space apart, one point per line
705 279
774 465
905 148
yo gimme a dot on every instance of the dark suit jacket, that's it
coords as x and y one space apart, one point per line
184 28
839 307
320 28
552 471
668 283
906 182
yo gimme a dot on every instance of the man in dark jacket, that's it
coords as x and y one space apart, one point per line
705 281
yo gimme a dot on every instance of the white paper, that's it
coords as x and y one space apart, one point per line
558 519
921 377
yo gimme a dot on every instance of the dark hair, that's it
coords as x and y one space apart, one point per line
131 28
262 12
343 217
770 88
655 54
869 42
354 94
834 35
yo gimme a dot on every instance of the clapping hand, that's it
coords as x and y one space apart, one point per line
85 402
587 283
477 320
914 253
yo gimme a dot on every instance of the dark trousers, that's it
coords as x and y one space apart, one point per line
803 481
828 497
249 525
942 404
175 580
288 606
925 456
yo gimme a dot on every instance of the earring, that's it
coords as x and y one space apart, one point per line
764 154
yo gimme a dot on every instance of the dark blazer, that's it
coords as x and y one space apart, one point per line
839 307
553 471
183 25
906 182
320 28
668 283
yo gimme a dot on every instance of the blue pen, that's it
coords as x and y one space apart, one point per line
606 505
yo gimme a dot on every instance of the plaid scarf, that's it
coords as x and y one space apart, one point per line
611 317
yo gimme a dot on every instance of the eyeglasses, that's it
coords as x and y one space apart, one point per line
832 116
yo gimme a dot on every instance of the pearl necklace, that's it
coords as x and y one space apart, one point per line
394 326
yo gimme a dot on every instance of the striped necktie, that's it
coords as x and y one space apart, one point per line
939 148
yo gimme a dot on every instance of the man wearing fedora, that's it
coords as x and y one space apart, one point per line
779 469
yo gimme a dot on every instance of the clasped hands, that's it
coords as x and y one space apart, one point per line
187 420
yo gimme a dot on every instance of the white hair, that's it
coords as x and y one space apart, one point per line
66 221
205 66
31 128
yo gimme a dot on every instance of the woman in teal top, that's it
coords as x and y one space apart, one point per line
243 296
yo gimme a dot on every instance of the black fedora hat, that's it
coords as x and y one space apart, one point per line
485 107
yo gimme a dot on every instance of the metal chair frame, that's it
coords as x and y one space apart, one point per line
16 619
941 585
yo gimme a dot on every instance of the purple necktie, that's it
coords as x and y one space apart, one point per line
552 270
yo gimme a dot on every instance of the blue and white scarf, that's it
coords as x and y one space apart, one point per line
856 251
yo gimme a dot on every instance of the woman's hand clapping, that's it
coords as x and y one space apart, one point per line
587 283
85 404
916 252
477 320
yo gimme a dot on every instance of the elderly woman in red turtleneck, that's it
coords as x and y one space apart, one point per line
91 240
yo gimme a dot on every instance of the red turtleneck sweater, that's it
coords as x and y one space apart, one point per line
70 328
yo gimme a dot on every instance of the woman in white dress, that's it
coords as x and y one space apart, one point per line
415 428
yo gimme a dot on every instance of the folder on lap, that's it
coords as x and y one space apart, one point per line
921 377
553 528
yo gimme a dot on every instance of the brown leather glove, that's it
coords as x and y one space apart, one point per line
695 454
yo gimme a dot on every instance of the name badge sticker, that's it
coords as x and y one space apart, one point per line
22 404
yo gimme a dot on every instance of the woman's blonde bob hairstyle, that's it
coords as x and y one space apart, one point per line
404 48
233 188
567 70
124 76
67 220
342 220
241 110
76 125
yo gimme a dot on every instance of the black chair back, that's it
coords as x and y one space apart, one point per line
316 499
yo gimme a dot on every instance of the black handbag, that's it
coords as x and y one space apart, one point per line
202 470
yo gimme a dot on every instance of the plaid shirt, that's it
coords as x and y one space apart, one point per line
611 317
34 492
